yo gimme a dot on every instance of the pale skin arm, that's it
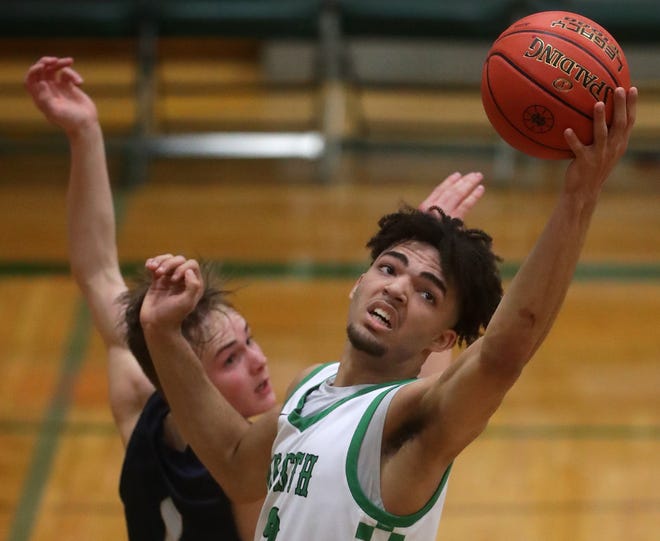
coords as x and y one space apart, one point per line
451 410
235 451
55 89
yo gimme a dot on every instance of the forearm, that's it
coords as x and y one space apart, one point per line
91 229
534 297
536 294
205 419
491 365
90 211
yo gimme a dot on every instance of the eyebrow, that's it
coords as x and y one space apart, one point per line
230 344
425 274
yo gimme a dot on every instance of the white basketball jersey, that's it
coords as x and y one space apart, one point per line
318 467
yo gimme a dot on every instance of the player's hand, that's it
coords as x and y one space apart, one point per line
455 195
54 87
593 163
176 288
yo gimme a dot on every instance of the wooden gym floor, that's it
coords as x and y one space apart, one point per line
572 455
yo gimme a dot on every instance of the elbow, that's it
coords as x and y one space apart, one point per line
86 280
507 349
78 271
504 360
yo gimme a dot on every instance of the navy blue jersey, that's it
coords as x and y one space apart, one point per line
166 490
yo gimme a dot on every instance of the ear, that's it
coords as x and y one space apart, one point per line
355 286
444 341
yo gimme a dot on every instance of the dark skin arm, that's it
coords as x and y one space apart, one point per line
432 420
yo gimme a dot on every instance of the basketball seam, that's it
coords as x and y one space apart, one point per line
526 136
545 90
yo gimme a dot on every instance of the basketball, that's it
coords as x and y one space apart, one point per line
544 74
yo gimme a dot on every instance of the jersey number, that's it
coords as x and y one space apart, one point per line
272 524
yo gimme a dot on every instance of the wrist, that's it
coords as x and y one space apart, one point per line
163 337
580 203
83 129
161 330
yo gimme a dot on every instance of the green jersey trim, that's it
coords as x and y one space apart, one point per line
302 422
382 516
308 377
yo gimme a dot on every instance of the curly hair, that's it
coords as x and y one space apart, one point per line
214 298
466 259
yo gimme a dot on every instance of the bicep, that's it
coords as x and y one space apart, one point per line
458 405
128 389
102 294
430 422
128 386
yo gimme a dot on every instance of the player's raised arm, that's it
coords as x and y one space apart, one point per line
55 89
530 306
455 407
534 297
235 451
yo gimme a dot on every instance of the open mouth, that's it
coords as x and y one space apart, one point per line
263 386
382 316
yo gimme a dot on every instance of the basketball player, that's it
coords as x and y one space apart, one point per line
166 491
363 450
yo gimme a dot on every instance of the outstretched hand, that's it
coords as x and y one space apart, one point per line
54 87
593 163
455 195
175 289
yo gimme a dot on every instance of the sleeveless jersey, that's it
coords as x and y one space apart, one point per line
324 478
168 495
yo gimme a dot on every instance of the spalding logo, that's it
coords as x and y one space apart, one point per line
549 55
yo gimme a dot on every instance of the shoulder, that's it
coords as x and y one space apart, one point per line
305 375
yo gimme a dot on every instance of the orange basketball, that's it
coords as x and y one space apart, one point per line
544 74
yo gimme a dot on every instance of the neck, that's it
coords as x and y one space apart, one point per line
357 367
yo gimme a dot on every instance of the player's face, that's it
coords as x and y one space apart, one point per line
236 365
402 307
